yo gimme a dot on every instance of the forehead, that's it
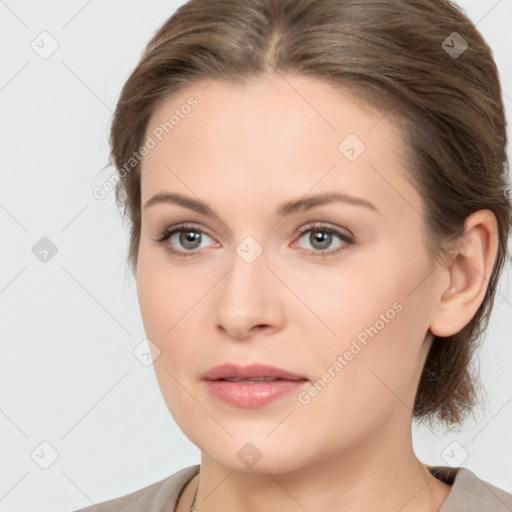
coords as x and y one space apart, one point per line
297 105
279 132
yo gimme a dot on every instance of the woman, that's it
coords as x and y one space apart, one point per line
319 217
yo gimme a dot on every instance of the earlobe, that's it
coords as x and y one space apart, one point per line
469 273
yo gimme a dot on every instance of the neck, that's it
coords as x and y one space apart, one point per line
374 474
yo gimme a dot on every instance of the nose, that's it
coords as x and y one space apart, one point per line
248 299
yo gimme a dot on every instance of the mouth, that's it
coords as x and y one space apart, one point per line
251 373
251 386
260 379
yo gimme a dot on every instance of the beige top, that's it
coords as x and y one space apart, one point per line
469 493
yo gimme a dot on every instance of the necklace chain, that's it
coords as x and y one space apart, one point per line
192 507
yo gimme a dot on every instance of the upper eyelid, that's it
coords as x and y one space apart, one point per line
189 227
319 225
315 225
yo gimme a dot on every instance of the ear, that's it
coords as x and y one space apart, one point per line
467 274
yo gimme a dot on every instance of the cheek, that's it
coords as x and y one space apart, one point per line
351 293
372 379
380 319
172 306
166 292
164 302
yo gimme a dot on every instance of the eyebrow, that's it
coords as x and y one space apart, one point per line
286 208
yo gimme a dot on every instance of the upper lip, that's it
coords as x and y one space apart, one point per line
225 371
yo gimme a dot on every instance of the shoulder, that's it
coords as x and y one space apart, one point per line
158 497
470 493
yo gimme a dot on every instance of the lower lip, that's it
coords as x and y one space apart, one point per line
252 394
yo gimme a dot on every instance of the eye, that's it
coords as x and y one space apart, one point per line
321 237
189 238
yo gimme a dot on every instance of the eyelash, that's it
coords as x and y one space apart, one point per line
346 238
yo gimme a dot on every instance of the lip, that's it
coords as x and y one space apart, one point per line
251 394
225 371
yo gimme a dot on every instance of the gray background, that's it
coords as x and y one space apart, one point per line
68 373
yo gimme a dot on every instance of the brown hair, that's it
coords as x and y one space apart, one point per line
390 53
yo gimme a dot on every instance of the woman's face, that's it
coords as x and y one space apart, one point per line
340 292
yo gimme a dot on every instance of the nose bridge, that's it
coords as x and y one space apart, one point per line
246 280
247 296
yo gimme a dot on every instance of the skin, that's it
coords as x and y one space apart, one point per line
243 150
